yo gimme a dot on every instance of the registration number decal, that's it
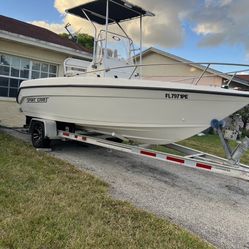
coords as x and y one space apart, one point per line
176 96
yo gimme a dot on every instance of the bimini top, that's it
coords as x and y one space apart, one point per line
119 10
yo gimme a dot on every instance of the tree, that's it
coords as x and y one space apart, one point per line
245 117
85 40
64 35
82 39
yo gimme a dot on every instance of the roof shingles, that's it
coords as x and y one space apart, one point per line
26 29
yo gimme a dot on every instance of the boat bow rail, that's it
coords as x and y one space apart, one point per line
203 72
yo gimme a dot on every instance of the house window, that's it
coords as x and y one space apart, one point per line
43 70
14 70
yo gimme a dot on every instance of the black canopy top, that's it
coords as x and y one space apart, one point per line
119 10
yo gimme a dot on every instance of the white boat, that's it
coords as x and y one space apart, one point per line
115 101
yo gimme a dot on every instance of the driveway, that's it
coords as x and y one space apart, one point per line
215 207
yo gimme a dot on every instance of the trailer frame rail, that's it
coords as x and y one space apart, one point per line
192 158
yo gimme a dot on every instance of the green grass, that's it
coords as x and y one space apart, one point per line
212 145
209 143
47 203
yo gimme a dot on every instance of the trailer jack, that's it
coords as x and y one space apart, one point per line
233 155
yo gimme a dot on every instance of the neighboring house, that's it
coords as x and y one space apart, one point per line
29 52
182 70
243 77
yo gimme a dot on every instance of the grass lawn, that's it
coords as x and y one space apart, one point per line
47 203
209 143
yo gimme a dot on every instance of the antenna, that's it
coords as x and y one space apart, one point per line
71 36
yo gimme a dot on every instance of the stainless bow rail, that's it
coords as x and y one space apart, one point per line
205 68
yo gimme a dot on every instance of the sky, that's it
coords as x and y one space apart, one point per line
197 30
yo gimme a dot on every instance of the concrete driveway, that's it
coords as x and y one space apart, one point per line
10 114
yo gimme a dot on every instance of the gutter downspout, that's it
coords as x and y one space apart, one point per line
106 30
141 46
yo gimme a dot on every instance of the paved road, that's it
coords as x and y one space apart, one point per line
215 207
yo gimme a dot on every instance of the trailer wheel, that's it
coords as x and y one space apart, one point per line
38 136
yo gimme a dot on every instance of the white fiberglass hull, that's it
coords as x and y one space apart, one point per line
143 111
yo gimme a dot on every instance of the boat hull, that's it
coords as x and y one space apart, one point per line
139 112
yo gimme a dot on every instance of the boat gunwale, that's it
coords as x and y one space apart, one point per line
237 94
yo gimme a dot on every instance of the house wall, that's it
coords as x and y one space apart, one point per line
181 73
10 114
30 52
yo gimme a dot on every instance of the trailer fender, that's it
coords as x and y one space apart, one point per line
50 128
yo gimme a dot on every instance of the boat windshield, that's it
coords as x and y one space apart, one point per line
118 47
111 49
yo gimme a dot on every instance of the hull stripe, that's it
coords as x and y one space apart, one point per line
137 88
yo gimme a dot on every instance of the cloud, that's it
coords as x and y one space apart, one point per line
222 22
57 28
208 28
218 3
164 30
62 5
214 21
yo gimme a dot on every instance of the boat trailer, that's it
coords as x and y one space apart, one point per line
42 130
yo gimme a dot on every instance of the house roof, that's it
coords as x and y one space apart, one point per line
238 80
243 77
32 31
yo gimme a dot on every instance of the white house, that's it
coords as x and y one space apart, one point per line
29 52
180 70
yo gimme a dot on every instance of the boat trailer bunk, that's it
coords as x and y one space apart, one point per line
43 130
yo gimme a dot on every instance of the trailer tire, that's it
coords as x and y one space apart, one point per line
38 135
